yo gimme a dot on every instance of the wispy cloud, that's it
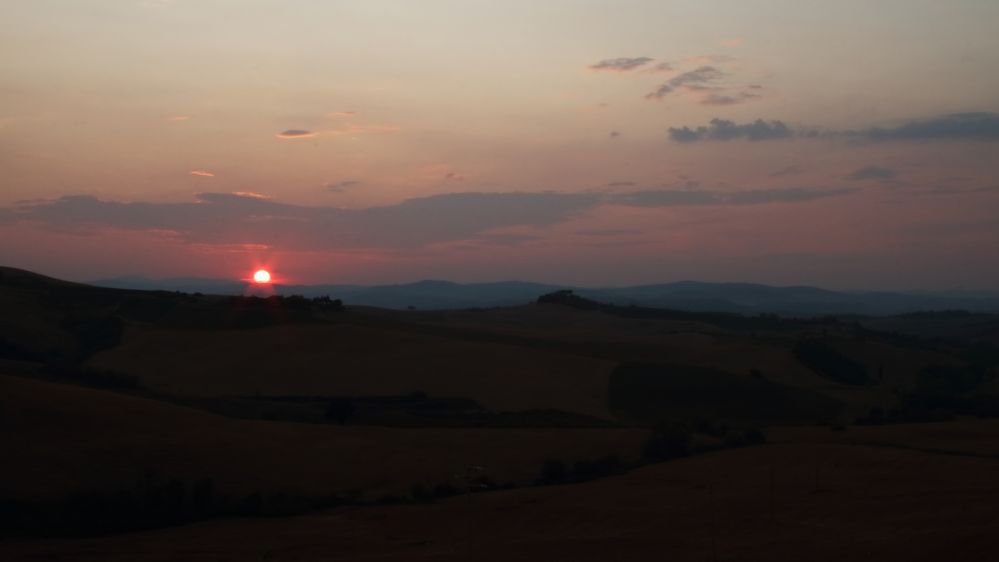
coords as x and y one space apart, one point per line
698 78
728 99
620 64
686 197
872 173
708 59
179 118
202 173
341 114
341 186
605 232
787 171
296 134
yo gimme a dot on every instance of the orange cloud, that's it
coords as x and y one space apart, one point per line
341 114
202 173
179 118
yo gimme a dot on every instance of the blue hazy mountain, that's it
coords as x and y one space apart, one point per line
741 298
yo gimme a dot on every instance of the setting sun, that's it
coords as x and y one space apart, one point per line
262 276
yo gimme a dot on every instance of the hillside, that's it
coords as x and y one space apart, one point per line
134 409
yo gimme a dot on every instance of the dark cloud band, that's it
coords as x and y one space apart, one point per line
979 126
227 218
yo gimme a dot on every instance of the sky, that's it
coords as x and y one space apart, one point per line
848 145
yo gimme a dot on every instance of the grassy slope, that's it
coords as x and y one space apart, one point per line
829 502
60 439
345 359
457 354
690 343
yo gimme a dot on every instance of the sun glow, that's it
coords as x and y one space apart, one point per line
262 276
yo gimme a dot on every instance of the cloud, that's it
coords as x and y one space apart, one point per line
454 176
341 186
614 134
977 126
872 173
226 218
295 134
724 130
234 218
681 198
621 184
697 79
709 59
609 232
507 239
732 41
621 64
179 118
726 99
686 181
662 67
788 171
341 114
943 190
202 173
963 126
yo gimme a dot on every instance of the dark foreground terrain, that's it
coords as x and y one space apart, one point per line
143 425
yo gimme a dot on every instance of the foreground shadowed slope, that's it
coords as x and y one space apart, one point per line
784 502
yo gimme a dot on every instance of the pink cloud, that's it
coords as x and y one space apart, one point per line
202 173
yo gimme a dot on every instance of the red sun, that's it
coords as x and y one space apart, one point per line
262 276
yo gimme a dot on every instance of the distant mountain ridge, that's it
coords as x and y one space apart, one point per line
741 298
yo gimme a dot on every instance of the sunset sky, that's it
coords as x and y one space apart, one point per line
849 144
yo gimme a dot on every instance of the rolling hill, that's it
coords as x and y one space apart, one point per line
741 298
